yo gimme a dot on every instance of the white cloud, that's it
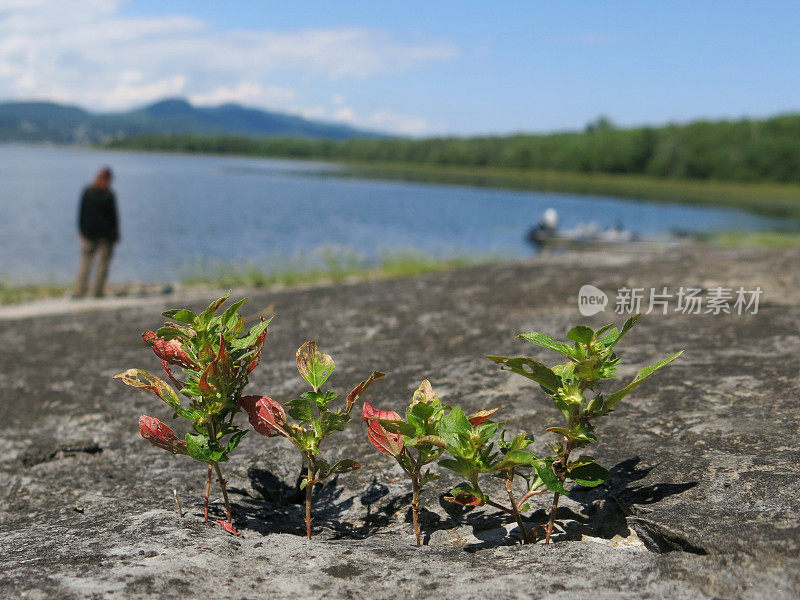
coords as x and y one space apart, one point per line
86 52
379 120
245 93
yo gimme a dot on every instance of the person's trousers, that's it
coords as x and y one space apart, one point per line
104 249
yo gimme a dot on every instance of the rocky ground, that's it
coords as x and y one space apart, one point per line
702 502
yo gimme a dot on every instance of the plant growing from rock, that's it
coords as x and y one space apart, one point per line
414 443
216 361
474 451
592 360
314 421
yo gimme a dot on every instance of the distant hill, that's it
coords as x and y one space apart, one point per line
50 122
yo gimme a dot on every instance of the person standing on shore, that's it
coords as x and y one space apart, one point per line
99 232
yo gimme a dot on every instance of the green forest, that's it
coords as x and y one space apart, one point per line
765 150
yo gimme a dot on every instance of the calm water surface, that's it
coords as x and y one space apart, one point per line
180 211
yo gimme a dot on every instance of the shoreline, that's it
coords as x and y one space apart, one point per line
392 267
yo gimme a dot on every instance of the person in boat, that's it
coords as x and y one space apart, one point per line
99 232
545 229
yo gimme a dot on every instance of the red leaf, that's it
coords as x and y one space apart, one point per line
266 416
168 371
160 435
171 351
213 370
228 527
480 416
260 345
361 388
385 441
465 499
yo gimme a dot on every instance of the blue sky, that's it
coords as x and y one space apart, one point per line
412 67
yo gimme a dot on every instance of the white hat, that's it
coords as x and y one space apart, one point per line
550 218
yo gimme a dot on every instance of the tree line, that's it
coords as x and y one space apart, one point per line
743 150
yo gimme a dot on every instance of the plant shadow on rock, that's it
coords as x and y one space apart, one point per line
614 508
283 511
603 513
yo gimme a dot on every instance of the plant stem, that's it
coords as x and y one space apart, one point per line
415 506
222 483
552 521
500 507
177 502
515 508
562 475
208 491
309 491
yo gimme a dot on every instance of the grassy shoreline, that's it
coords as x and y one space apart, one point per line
392 266
336 270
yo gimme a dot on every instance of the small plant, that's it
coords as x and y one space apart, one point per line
414 443
216 363
469 441
314 420
592 360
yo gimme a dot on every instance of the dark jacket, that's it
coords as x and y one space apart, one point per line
97 218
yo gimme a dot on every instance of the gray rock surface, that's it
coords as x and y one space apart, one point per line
702 502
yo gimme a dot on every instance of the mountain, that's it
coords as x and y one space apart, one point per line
50 122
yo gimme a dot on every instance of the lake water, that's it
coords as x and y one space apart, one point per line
178 211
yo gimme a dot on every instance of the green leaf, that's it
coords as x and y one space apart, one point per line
453 426
234 441
560 431
566 409
582 433
400 427
637 381
404 460
314 366
422 411
460 466
305 439
545 341
332 421
321 399
193 414
172 331
519 458
252 336
181 315
197 446
205 317
518 442
428 477
581 334
602 330
544 469
611 340
532 369
587 368
588 474
301 410
230 313
429 441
